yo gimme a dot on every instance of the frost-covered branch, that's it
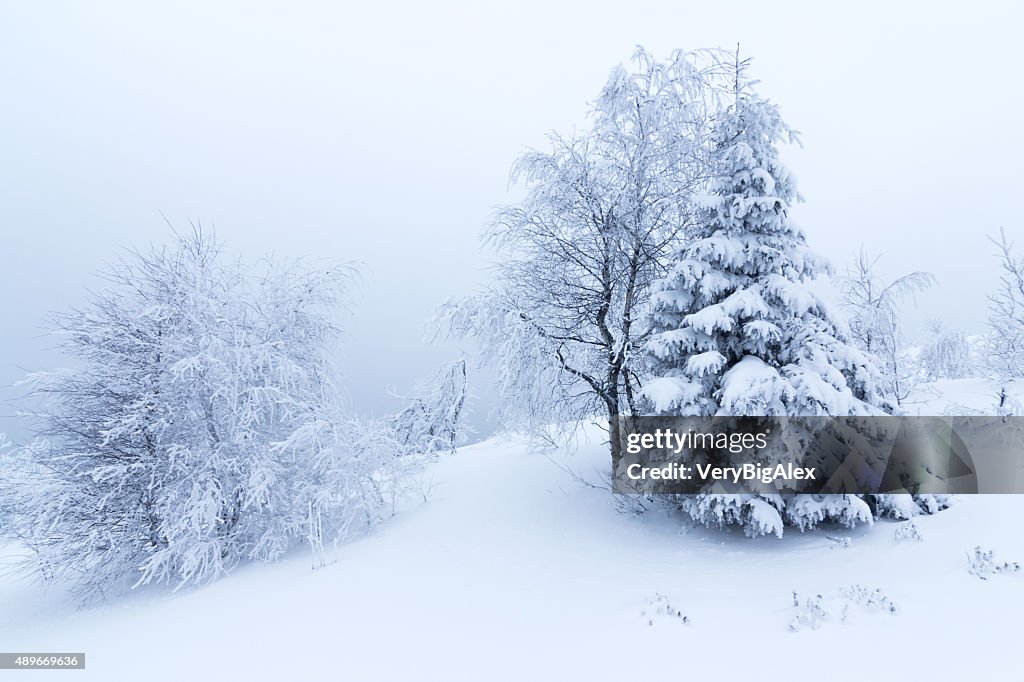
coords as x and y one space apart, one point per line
1006 319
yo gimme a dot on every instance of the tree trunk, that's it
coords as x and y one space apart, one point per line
614 438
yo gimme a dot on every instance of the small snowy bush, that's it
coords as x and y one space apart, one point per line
434 419
908 531
982 563
947 355
813 612
836 542
659 607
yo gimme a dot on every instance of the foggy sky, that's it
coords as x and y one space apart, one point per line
384 133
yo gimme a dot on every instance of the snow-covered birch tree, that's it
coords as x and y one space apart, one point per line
873 307
604 208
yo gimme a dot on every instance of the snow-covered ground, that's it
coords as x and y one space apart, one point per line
513 569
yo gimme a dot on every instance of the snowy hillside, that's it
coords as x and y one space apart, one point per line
513 569
258 295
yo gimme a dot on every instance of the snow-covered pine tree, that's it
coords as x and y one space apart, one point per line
737 329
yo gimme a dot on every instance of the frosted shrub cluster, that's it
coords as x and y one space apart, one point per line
813 612
982 563
839 542
199 426
947 355
433 420
908 531
660 607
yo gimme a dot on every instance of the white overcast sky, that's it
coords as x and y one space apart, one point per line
383 132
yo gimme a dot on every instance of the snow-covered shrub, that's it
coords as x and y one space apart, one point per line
357 469
813 612
434 419
659 607
908 531
198 427
947 355
982 563
872 599
839 542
